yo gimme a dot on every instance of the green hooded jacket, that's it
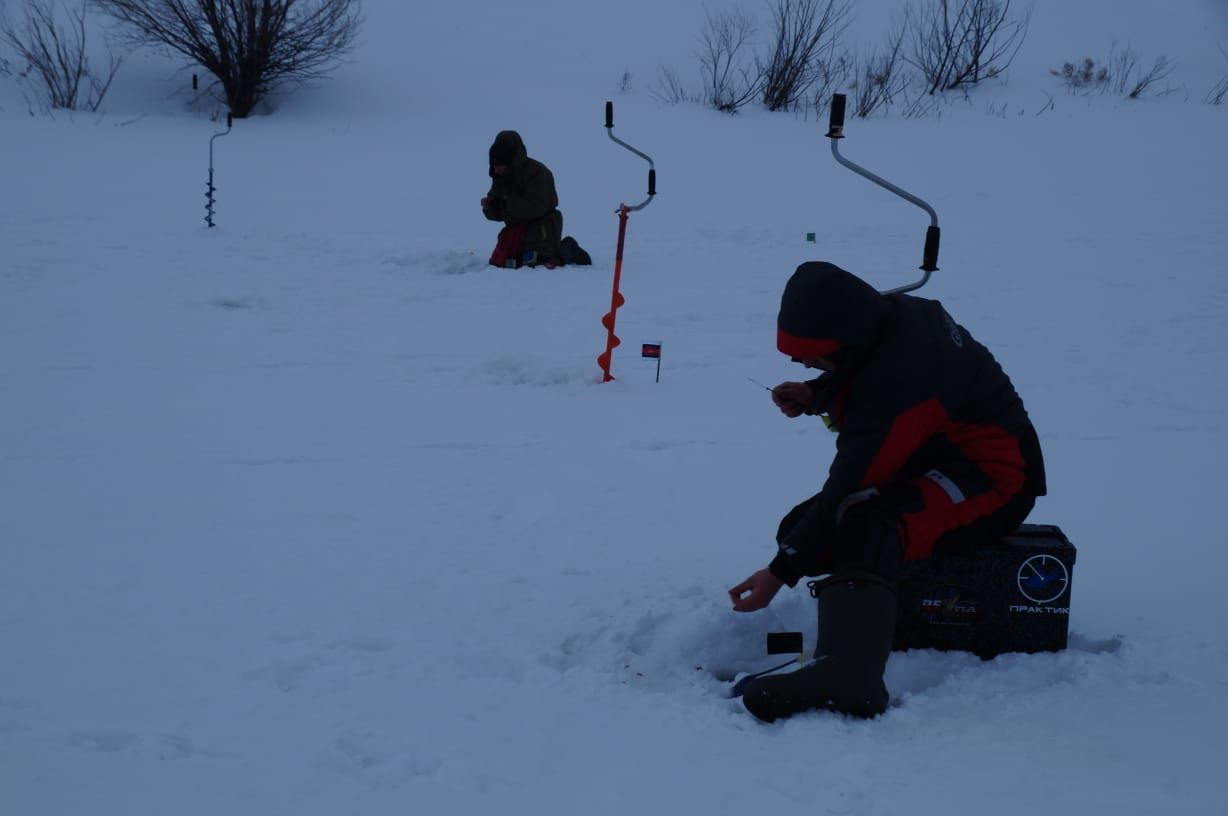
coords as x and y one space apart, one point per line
525 194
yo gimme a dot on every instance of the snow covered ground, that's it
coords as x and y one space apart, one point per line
314 512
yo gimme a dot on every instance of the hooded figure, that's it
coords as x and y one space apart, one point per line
523 197
934 449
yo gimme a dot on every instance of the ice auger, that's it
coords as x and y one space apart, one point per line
209 189
616 298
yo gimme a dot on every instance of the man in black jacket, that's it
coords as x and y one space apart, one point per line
934 449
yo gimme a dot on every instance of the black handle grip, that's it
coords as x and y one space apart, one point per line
230 121
609 114
929 263
784 643
193 81
835 125
652 182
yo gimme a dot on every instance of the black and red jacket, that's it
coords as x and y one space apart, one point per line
912 392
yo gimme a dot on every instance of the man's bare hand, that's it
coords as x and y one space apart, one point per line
793 398
755 592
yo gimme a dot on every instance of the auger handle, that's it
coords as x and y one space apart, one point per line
835 122
929 258
929 261
652 171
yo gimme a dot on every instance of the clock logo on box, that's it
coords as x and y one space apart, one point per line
1042 579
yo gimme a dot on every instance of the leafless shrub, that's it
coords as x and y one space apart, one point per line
1144 82
1082 76
806 34
1220 90
879 78
958 43
730 81
50 39
1120 74
922 106
1048 106
834 74
669 88
251 47
1124 62
1128 79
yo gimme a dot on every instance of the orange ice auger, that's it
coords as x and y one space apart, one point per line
616 298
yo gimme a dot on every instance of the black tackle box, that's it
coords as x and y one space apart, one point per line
1010 596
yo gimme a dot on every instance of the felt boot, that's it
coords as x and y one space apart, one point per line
856 628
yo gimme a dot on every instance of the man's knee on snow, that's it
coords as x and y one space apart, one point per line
868 540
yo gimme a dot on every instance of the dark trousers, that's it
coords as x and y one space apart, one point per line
902 522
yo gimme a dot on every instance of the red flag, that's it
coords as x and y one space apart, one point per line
652 351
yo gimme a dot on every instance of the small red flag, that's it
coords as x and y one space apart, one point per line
652 351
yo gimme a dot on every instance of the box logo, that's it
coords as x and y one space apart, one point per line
1042 579
950 605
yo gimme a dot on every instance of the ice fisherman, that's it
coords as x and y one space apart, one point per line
523 197
934 451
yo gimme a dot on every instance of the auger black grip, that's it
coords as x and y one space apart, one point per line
230 121
609 114
929 263
835 124
652 182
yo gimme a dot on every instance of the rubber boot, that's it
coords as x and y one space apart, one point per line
856 628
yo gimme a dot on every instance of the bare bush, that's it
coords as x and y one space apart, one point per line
1048 106
1128 79
1121 74
669 88
251 47
51 40
1217 93
834 74
958 43
1220 90
806 34
730 80
879 76
1082 76
922 106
